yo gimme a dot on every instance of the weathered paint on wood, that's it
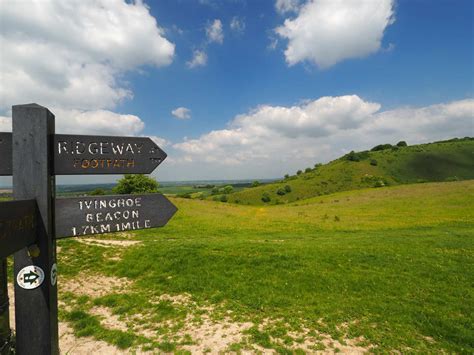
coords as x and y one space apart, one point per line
17 226
36 310
75 155
82 155
5 154
105 214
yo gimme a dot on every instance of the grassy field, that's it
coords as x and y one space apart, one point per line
444 161
377 269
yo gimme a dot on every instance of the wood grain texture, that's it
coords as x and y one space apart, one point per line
35 310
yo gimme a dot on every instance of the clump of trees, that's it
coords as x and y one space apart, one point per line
97 192
299 172
389 146
381 147
136 184
256 183
353 156
222 190
228 189
284 190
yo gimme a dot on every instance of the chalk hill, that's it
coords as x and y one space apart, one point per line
384 165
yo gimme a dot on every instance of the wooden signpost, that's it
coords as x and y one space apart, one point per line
81 155
33 155
105 214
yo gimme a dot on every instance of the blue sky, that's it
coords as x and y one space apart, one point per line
264 103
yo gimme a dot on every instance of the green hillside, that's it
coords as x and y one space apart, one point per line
385 166
380 271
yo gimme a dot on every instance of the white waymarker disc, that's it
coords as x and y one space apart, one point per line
30 277
54 274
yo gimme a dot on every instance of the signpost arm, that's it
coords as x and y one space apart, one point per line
36 310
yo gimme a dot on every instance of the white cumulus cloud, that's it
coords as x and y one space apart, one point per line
72 53
274 140
181 113
326 32
162 142
72 121
70 56
215 32
284 6
237 25
199 59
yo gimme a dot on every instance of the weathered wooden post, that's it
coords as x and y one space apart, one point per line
4 315
35 288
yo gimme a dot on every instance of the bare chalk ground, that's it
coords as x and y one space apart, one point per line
209 336
68 343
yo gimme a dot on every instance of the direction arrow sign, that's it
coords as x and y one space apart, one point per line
80 155
17 225
5 154
105 214
105 155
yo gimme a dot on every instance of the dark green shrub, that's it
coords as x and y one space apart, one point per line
307 170
352 156
379 183
373 162
281 191
97 192
215 191
136 184
381 147
228 189
287 188
256 183
223 198
287 176
317 165
266 197
402 144
299 172
374 181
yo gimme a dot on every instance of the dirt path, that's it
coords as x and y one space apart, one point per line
68 343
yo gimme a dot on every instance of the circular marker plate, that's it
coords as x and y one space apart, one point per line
30 277
54 274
